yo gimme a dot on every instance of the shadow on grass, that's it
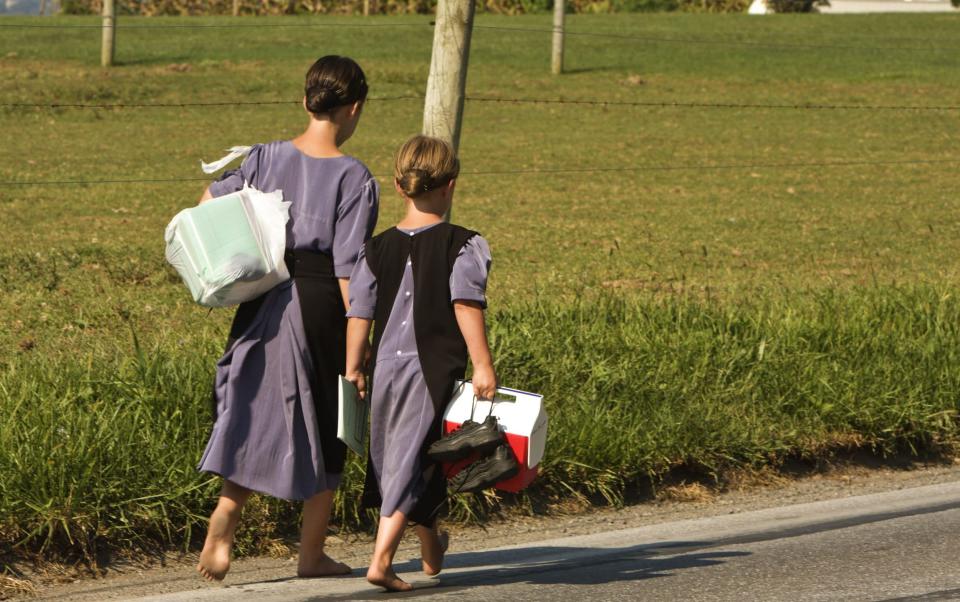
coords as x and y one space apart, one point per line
150 61
598 69
837 460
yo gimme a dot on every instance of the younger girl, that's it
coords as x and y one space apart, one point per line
423 285
276 385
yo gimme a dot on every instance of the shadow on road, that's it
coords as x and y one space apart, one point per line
560 566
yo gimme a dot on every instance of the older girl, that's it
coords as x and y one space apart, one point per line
275 390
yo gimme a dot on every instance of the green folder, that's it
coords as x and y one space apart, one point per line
352 418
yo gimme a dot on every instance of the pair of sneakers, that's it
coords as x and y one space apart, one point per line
496 462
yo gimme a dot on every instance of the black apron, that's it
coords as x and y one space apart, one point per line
325 326
440 345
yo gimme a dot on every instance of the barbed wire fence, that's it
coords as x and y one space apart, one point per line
427 24
793 165
663 104
579 102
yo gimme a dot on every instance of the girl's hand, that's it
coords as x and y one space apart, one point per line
484 382
359 381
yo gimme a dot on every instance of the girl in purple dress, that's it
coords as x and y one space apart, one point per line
275 391
422 284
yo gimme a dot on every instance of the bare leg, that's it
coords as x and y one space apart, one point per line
215 557
433 545
314 562
381 573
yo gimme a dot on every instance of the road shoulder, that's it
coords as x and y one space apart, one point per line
678 502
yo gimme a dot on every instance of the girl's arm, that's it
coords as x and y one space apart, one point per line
206 196
345 291
358 331
470 319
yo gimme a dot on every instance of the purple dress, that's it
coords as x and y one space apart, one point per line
275 386
401 409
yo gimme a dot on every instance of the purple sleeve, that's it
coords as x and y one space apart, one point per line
468 281
356 219
232 180
363 290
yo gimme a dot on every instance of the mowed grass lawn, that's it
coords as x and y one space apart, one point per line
85 251
680 296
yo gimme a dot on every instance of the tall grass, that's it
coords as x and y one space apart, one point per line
101 451
636 388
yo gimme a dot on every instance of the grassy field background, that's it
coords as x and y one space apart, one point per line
691 317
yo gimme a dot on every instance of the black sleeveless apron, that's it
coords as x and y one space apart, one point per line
440 345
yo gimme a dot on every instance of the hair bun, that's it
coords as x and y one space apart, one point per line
423 164
334 81
416 181
322 98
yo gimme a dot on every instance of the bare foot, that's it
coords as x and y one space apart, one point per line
324 566
215 557
387 579
432 552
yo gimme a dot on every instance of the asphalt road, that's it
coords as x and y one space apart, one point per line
899 545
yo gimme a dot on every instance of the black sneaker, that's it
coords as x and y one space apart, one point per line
470 437
487 472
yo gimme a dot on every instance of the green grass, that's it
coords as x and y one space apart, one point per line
102 453
707 318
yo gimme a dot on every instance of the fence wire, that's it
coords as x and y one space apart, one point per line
649 38
598 102
559 170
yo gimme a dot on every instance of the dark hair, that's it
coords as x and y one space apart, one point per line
334 81
424 164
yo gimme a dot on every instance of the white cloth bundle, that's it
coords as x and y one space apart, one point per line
230 249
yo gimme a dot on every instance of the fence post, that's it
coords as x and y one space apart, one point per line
556 65
366 8
236 8
443 106
43 7
109 33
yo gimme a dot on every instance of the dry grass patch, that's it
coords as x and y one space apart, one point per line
686 492
11 587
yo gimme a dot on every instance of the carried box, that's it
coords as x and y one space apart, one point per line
230 249
520 414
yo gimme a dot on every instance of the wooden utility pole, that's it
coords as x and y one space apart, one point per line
236 8
559 8
443 106
109 37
